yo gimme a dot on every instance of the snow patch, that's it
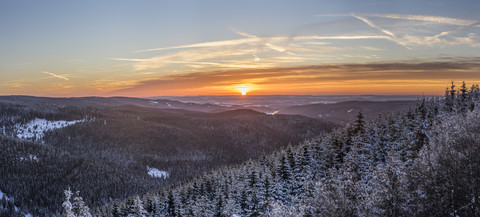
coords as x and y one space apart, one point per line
30 157
169 105
320 115
350 110
153 102
36 128
156 173
272 113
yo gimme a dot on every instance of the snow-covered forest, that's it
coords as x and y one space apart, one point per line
420 162
114 152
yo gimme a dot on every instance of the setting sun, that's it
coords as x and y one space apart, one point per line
243 90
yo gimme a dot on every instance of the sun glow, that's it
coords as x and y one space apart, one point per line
243 90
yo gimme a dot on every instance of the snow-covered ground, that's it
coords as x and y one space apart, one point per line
156 173
37 127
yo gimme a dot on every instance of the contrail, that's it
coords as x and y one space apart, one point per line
56 76
391 35
436 19
459 29
368 22
204 44
267 44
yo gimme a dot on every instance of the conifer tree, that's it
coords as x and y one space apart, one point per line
171 205
67 205
79 206
463 104
359 127
116 211
284 169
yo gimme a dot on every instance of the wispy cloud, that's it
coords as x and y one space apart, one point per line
417 38
262 42
56 76
368 22
459 29
434 19
204 44
391 35
238 53
421 32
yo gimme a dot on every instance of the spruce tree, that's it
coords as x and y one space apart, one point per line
81 209
116 211
171 205
359 125
67 205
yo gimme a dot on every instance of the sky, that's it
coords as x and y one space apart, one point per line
175 48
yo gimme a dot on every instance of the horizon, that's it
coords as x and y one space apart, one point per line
187 48
233 95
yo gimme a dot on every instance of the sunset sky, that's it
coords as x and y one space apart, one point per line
161 48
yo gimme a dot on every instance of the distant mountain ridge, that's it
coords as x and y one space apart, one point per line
337 109
112 101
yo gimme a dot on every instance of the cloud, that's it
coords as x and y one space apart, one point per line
391 35
254 51
459 29
307 78
417 30
368 22
199 58
204 44
221 54
56 76
434 19
260 40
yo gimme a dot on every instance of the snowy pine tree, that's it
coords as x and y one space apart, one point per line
67 205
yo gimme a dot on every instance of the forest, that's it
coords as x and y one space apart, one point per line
108 154
422 161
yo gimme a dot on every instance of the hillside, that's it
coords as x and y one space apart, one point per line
111 152
418 162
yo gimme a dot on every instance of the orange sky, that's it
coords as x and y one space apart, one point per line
430 78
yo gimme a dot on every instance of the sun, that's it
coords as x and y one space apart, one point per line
243 90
